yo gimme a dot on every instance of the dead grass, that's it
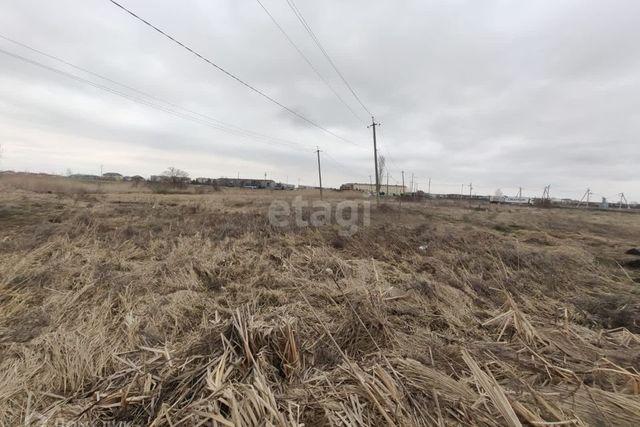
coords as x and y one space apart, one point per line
188 309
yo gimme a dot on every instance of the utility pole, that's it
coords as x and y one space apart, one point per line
319 171
545 193
386 193
429 186
623 198
519 192
412 191
402 182
586 194
375 157
101 167
462 190
470 188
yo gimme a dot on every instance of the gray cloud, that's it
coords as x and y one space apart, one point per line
495 93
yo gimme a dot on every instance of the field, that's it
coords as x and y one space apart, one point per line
119 305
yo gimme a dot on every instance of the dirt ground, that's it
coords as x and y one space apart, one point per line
121 305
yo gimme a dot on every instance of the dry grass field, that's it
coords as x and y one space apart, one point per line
118 305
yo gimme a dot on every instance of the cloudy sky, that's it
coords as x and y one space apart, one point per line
500 94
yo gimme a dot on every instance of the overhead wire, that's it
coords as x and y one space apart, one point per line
315 39
150 104
145 94
229 74
308 61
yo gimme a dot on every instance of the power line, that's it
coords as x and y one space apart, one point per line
144 101
229 74
325 81
232 128
304 23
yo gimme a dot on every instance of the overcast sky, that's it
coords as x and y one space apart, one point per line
500 94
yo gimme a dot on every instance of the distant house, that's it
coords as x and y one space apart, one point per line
204 181
135 179
159 178
112 176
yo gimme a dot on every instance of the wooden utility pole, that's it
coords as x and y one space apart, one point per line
319 171
375 157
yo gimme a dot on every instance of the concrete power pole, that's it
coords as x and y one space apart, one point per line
319 171
375 157
386 193
412 191
587 195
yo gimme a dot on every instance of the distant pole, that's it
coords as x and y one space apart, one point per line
412 191
319 171
429 185
375 157
470 188
101 167
238 175
519 191
386 193
586 195
402 182
370 182
462 190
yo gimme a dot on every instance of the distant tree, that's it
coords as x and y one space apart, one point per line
498 193
177 177
69 172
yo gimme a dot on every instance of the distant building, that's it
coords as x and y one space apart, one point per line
604 204
246 183
112 176
391 190
204 181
